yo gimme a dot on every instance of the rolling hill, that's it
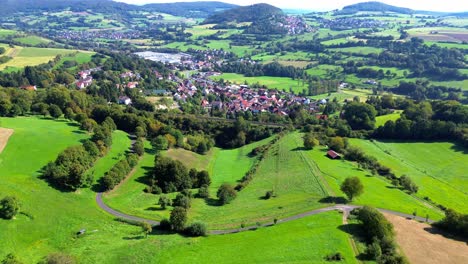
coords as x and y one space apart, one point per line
374 6
202 9
252 13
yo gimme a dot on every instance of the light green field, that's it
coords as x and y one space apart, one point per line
447 45
358 50
6 32
79 57
32 40
381 120
306 240
438 168
223 165
455 84
279 83
377 191
284 170
56 216
335 41
27 56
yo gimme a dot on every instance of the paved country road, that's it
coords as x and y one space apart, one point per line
342 207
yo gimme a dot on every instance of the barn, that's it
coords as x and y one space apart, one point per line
333 155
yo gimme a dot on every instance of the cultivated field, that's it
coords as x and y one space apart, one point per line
27 56
423 247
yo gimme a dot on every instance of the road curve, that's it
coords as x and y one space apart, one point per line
118 214
342 207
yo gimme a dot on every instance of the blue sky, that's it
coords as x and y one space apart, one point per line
430 5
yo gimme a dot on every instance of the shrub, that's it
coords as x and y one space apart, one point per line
59 258
203 192
196 229
164 202
226 194
165 224
334 257
182 201
269 194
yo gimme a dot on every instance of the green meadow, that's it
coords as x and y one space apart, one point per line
377 191
438 168
381 120
51 218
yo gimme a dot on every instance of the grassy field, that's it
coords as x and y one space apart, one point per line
27 56
32 40
279 83
223 166
381 120
377 191
80 57
54 216
306 240
358 50
438 168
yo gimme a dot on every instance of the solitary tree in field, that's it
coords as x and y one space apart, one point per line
352 187
178 218
146 228
9 207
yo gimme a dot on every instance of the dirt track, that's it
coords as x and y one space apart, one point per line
5 134
424 247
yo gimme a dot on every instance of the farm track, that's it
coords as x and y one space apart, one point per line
342 207
325 188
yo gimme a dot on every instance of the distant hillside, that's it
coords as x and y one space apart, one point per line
190 9
374 6
251 13
193 9
103 6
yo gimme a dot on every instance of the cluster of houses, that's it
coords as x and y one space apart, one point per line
296 25
101 34
240 98
346 23
85 78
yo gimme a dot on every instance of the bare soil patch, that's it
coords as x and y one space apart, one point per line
424 247
5 134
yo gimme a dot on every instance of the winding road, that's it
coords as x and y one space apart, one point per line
342 207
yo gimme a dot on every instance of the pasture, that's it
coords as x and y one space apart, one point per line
51 218
438 168
381 120
377 191
307 240
278 83
32 40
